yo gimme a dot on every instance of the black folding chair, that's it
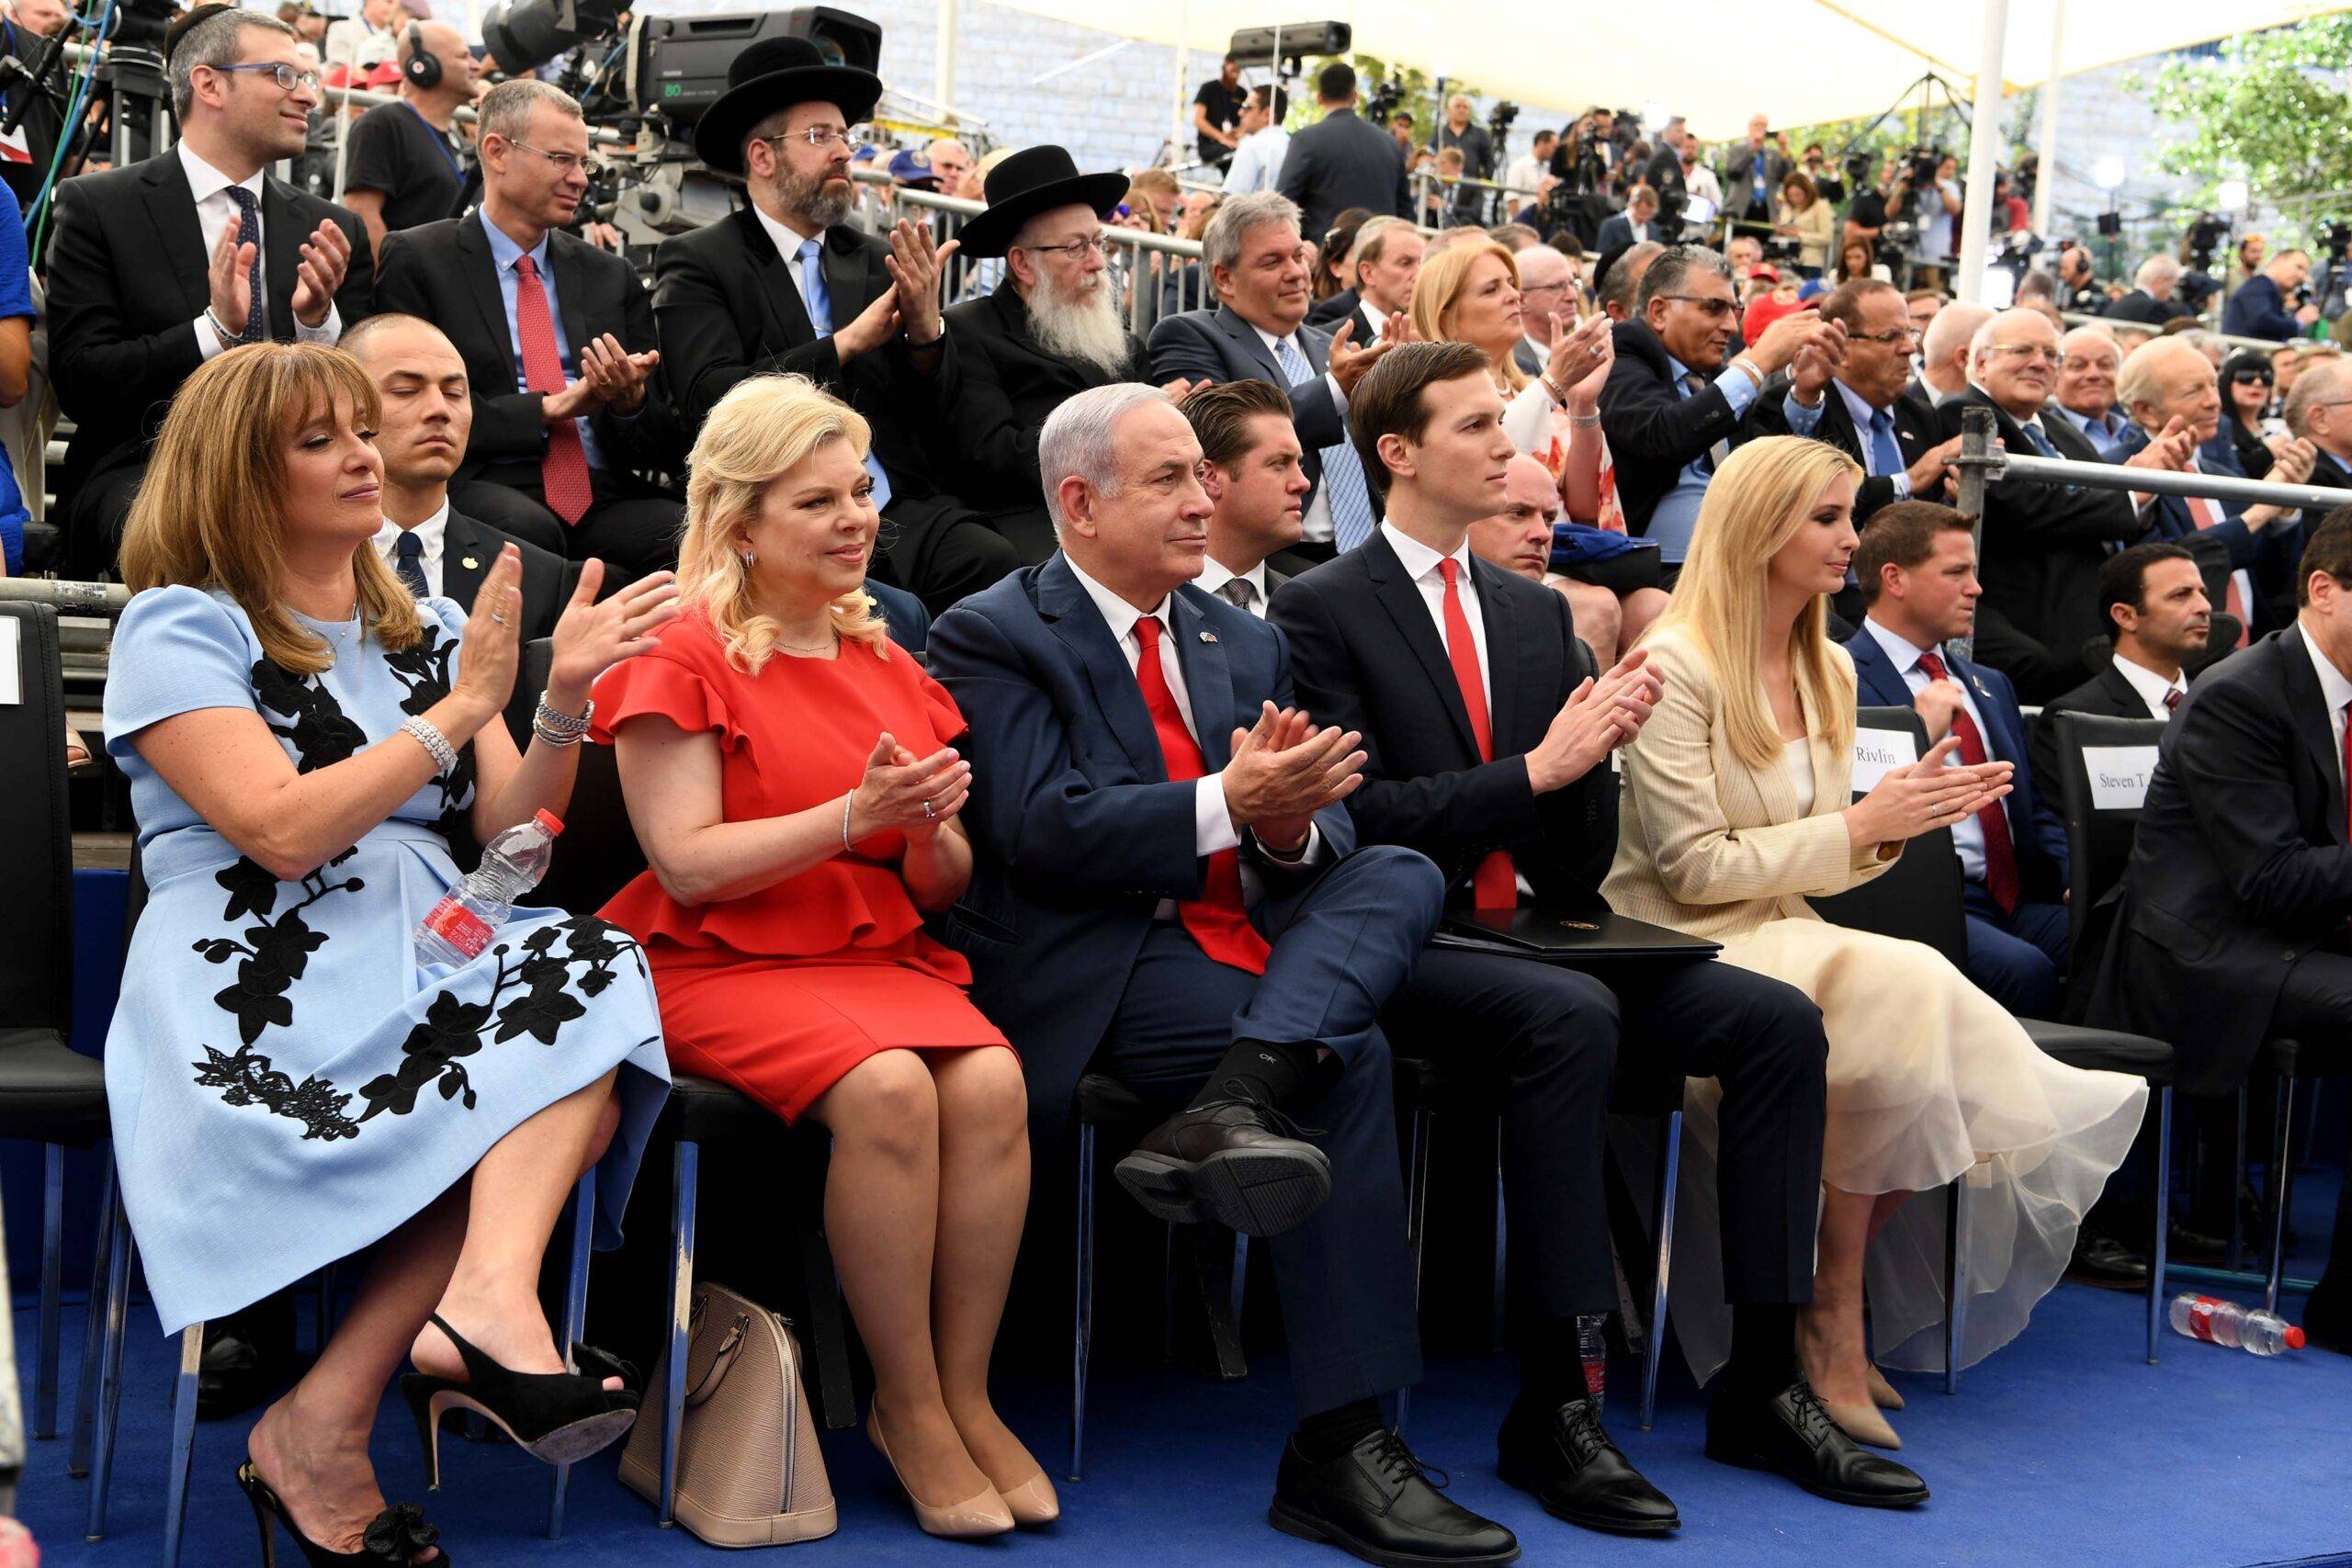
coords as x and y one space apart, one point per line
1920 898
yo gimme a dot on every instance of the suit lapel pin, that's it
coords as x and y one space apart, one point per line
1208 637
471 564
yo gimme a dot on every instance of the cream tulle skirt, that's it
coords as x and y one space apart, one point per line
1929 1081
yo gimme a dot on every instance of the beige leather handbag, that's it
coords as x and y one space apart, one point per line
748 1470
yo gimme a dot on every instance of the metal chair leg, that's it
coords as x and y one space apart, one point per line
52 1288
2236 1259
85 1389
2283 1151
1669 1171
1955 1280
575 1324
1416 1192
2163 1218
1082 1326
182 1441
1501 1233
110 1371
1240 1279
684 1179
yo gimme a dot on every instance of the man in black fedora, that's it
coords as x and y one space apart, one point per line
785 285
1051 329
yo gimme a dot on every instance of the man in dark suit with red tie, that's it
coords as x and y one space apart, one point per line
2231 920
1487 749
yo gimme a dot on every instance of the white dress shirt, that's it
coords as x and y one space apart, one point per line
430 533
788 241
1317 524
2334 688
1968 835
2153 688
1421 564
217 214
1258 162
1213 827
1214 577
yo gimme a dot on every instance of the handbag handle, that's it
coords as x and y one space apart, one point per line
720 1362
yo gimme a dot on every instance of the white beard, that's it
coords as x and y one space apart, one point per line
1081 324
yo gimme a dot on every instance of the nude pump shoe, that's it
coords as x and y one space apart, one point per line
1032 1502
983 1513
1863 1424
1882 1393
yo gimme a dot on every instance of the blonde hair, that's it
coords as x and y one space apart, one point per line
1439 288
1759 498
210 512
763 428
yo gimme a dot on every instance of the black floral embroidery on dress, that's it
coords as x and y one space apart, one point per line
274 953
539 981
428 670
315 725
247 1078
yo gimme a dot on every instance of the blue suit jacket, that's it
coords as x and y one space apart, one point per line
1078 833
2259 309
908 622
1219 346
2034 826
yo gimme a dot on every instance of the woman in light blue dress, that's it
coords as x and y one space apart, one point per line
289 1082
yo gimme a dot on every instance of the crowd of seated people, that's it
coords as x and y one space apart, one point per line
1000 696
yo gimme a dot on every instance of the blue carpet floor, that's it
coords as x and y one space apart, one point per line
2065 1447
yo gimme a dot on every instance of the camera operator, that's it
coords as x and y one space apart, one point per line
1815 166
1582 159
2079 284
1927 191
1753 172
2260 308
407 161
29 32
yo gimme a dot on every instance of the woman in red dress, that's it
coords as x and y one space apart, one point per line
790 776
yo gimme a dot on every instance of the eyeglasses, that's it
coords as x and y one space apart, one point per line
1714 310
2027 353
1529 290
1900 336
1075 250
565 163
289 78
819 135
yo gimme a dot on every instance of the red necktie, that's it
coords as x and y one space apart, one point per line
2173 699
2205 514
2000 855
1495 884
563 471
1216 918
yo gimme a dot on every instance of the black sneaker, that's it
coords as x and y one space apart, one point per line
1235 1161
1374 1502
1792 1435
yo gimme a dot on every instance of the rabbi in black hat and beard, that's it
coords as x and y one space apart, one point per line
784 285
1052 329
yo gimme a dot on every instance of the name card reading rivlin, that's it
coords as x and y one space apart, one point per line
1878 752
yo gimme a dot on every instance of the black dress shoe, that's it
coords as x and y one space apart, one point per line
247 1355
1792 1435
2108 1263
1564 1457
2185 1246
1373 1502
1234 1161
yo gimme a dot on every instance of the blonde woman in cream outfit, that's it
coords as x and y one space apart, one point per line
1735 812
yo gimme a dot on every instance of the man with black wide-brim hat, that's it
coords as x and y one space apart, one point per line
1051 329
784 284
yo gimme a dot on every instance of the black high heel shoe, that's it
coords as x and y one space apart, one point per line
556 1418
393 1537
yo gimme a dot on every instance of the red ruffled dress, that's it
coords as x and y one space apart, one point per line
781 992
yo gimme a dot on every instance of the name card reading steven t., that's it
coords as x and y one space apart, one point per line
2118 775
1879 751
11 676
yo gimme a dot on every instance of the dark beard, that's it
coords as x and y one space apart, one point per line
805 199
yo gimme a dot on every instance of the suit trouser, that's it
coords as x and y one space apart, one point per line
631 527
2316 1003
1341 944
101 510
2017 958
1555 1034
940 550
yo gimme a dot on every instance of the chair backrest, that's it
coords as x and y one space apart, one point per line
37 843
1918 898
598 851
2100 797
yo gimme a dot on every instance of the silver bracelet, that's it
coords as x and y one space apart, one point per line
1583 421
420 728
540 731
847 801
557 728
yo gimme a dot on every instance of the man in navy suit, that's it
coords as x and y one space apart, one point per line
1917 566
2259 307
1167 889
1258 332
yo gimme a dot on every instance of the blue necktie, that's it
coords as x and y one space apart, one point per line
820 301
249 233
1886 456
1343 478
2040 442
408 563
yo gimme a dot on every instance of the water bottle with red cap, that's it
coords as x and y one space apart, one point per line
2223 1322
457 929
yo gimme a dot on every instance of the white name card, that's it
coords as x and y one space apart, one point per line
11 682
2118 775
1877 752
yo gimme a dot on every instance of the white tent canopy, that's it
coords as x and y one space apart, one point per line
1714 61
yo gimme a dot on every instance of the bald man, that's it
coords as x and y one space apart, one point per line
407 161
1943 352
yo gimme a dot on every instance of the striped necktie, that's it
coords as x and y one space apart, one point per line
1343 479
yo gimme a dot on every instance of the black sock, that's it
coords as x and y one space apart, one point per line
1763 1348
1263 1071
1551 1364
1326 1435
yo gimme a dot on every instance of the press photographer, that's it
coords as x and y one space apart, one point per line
32 92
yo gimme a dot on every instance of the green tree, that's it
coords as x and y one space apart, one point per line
2271 108
1419 97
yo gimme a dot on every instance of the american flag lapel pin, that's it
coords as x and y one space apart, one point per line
1208 637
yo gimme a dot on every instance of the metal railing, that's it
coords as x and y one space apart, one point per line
2258 345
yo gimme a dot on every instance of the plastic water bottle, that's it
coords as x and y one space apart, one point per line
2226 1323
457 928
1593 1350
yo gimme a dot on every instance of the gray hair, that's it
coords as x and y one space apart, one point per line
1080 440
1222 241
1676 265
212 42
505 109
2206 343
2135 383
2323 381
1981 342
2158 268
